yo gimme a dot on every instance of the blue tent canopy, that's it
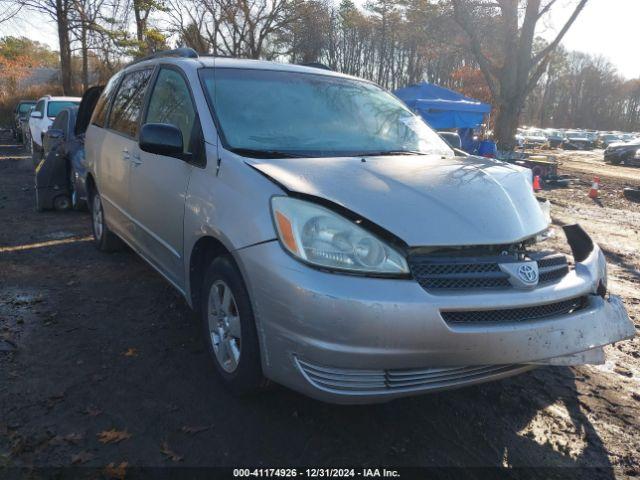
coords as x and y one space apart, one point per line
443 108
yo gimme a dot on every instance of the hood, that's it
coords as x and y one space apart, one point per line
424 200
618 145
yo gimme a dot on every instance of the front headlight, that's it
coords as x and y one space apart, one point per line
323 238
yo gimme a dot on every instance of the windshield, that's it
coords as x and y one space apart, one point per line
24 107
313 115
54 107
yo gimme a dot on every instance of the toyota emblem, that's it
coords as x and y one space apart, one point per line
528 274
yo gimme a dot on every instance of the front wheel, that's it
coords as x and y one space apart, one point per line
104 239
229 328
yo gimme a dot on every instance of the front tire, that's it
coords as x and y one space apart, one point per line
104 239
229 328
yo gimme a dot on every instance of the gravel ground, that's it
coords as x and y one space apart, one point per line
101 364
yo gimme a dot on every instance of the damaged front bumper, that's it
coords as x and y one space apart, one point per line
351 339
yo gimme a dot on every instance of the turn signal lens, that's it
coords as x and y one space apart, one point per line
286 232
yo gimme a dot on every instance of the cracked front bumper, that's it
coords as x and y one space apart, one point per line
353 339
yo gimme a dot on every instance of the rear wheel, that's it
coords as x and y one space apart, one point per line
61 203
229 328
104 239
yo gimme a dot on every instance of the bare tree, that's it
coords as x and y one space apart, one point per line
511 67
58 11
84 22
9 9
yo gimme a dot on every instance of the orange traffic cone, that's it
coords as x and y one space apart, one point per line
536 183
593 192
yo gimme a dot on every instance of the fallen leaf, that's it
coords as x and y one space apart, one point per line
171 455
131 352
73 437
82 457
113 471
113 436
194 430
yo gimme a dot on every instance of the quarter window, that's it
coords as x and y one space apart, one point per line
125 112
40 107
171 103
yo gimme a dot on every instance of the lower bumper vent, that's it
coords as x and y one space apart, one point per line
380 381
510 315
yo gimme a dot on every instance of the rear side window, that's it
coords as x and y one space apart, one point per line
40 107
125 112
101 109
171 103
54 108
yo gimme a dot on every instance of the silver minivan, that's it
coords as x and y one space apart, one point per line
330 240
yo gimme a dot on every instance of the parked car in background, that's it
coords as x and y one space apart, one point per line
554 137
349 254
533 138
608 138
26 133
41 118
61 175
577 140
621 152
20 118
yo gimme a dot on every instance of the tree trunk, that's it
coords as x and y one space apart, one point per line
85 58
141 26
506 125
65 47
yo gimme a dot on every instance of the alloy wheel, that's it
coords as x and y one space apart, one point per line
97 217
224 326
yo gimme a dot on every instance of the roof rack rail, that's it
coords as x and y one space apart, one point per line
183 52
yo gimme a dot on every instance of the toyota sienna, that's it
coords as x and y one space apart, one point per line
329 239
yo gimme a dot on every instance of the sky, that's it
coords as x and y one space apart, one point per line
605 27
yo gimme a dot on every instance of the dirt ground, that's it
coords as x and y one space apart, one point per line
92 343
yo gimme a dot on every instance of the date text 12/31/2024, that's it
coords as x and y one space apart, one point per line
315 472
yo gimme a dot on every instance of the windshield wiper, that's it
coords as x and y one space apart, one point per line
257 153
382 153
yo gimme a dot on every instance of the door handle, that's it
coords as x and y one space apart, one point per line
125 154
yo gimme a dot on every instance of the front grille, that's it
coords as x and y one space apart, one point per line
438 272
351 381
515 315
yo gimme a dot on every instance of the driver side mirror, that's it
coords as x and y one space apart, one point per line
162 139
36 114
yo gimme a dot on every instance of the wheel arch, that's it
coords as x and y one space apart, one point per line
204 251
91 186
